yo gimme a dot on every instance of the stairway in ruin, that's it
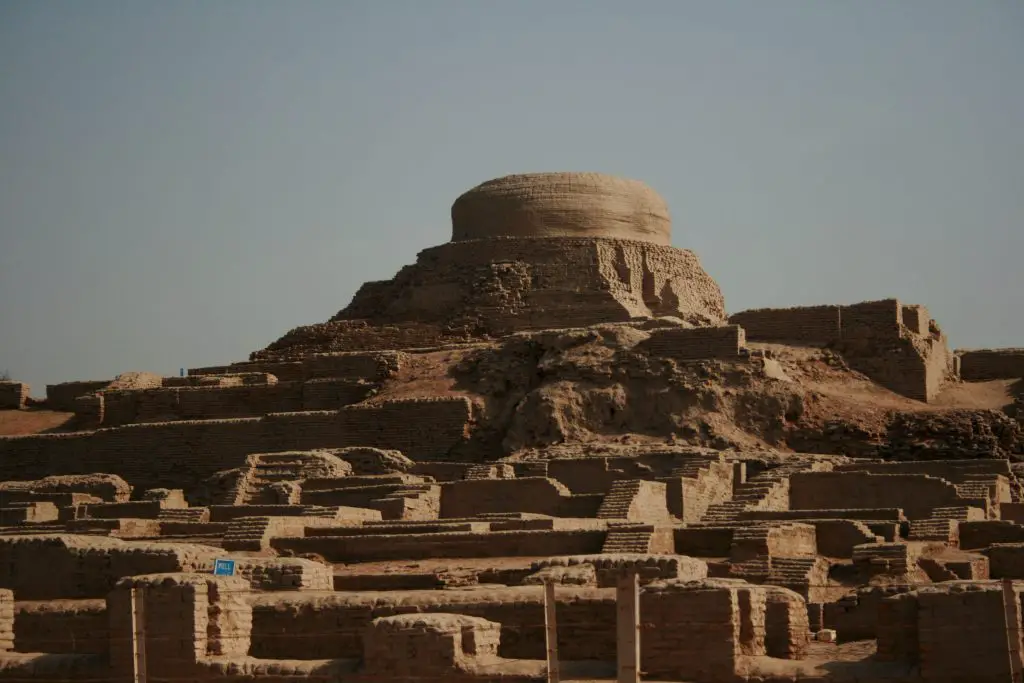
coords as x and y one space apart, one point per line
694 465
255 486
941 525
755 494
619 499
396 496
628 538
193 515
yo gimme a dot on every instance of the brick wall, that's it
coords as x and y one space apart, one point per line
62 396
975 535
911 360
808 324
470 498
703 541
987 364
44 567
698 343
1006 560
13 395
377 548
695 632
916 494
184 454
295 626
225 402
373 365
189 617
64 627
949 652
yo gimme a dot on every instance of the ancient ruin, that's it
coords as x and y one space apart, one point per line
542 452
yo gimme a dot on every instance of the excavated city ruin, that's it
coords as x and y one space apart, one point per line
542 452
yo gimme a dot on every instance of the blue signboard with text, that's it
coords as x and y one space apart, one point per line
224 568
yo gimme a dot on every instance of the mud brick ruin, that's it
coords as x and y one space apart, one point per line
544 451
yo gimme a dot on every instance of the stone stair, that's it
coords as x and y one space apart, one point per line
266 469
693 466
619 499
942 525
754 494
628 538
196 515
248 533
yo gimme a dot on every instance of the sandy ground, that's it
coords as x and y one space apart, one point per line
32 421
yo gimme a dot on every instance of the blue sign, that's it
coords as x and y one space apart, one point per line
224 568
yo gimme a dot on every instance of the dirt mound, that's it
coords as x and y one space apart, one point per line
601 385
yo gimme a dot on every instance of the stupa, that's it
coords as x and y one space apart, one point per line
529 251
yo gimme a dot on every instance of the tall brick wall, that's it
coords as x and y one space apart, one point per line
986 364
183 454
62 396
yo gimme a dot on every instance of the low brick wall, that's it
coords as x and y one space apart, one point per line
62 627
420 546
295 626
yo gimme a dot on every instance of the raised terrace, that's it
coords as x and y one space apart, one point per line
542 452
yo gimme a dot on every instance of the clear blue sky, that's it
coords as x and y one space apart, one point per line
182 182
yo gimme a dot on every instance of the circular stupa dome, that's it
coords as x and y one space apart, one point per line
562 205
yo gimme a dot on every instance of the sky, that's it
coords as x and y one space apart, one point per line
183 182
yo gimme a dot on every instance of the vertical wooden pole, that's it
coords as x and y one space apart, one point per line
551 632
138 636
628 629
1011 613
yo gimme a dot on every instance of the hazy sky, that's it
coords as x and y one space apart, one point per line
181 182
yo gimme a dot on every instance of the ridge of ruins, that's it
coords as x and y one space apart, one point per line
542 452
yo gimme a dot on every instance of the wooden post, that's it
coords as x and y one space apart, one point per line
551 632
1011 613
628 628
138 636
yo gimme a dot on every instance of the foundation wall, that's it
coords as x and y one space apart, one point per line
184 454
